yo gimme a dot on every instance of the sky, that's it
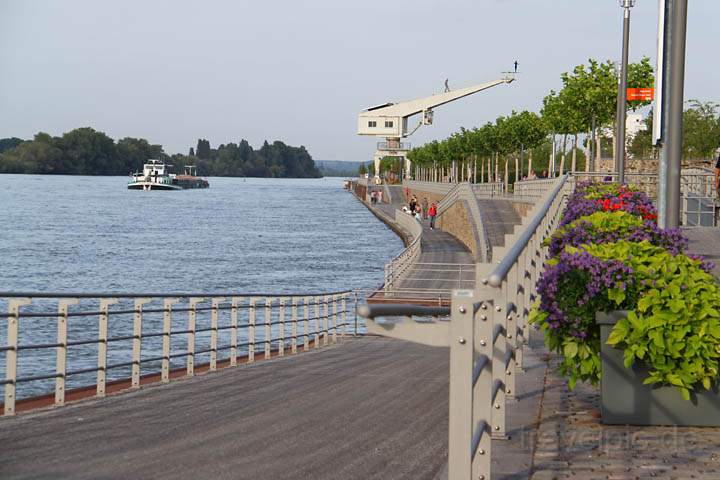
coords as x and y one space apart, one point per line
173 71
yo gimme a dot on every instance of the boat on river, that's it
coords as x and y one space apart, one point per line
156 176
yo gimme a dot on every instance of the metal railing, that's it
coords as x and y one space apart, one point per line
399 266
492 189
139 332
532 190
697 189
486 334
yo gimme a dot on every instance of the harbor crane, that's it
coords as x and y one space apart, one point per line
390 120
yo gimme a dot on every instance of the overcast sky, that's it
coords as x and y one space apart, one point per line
300 71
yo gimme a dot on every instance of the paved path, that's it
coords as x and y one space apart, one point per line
368 408
705 241
439 266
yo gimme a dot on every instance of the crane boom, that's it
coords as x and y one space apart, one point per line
413 107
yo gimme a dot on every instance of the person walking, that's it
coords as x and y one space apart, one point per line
432 213
413 204
424 205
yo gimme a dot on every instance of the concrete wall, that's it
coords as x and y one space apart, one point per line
456 221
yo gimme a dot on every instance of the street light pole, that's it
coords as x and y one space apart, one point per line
673 34
622 95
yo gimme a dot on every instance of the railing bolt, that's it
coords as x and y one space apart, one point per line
498 308
481 452
508 372
483 342
508 391
461 340
497 405
462 310
509 335
496 427
483 306
483 317
484 281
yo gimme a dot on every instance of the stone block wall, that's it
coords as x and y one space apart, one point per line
456 221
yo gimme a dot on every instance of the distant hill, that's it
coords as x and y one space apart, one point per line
338 168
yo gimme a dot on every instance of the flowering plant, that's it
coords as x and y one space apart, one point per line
611 226
674 325
609 254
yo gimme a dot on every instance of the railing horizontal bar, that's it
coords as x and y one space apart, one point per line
119 365
83 370
164 295
401 309
120 339
37 377
501 271
38 346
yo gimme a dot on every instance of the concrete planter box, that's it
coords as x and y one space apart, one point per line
626 401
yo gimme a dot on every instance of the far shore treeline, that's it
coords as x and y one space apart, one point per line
85 151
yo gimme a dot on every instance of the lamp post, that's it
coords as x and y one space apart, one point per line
622 94
668 117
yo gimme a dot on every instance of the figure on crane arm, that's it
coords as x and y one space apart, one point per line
389 121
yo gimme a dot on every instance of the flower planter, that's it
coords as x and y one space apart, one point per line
626 401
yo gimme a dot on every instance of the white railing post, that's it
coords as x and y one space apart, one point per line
294 321
460 422
334 318
251 331
11 354
233 331
214 331
137 342
268 332
306 324
192 321
61 349
326 320
167 329
501 334
343 318
103 345
281 336
317 322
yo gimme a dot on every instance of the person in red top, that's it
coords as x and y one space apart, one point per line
432 213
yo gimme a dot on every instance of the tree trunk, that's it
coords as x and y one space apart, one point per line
573 166
506 172
517 169
482 170
497 167
530 163
562 158
587 152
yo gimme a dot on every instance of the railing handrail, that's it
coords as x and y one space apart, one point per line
501 271
400 309
162 295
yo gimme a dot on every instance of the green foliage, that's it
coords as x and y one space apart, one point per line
675 327
617 221
85 151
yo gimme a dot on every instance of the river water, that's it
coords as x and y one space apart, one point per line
91 234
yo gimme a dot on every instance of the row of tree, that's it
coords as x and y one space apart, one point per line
85 151
580 111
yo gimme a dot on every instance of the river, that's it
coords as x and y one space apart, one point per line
91 234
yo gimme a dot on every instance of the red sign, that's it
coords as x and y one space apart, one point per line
640 94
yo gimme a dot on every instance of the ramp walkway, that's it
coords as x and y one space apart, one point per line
366 408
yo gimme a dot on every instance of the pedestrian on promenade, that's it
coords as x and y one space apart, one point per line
432 213
717 171
424 205
413 204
